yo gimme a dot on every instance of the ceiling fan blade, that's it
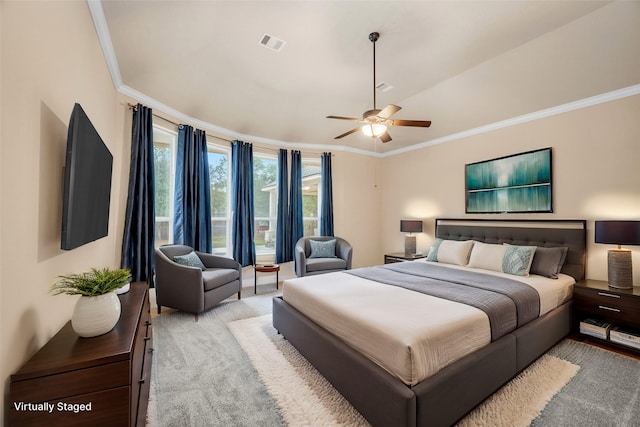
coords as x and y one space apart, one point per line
343 118
347 133
389 111
417 123
385 137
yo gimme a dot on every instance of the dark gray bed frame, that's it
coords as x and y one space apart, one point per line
454 391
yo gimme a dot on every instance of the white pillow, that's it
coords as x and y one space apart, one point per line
504 258
454 252
487 256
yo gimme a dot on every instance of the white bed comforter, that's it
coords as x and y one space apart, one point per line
409 334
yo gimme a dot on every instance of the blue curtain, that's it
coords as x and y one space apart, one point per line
295 200
242 210
283 236
138 238
192 202
326 197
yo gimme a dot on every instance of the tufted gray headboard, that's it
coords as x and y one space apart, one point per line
549 233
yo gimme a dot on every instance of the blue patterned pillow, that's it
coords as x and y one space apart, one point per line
517 260
433 252
320 249
190 260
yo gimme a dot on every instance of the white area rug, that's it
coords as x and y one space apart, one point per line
305 398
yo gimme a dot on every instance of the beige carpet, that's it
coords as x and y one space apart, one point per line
305 398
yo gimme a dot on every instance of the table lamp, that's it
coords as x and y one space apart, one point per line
619 263
410 226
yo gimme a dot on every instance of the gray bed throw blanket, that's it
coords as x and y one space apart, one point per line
508 303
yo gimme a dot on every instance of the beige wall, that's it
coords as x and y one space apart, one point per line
356 201
50 59
595 174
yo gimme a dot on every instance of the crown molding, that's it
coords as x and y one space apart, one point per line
227 133
536 115
100 24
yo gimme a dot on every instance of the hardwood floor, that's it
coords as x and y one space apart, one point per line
630 353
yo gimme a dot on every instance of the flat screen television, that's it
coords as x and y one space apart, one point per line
87 183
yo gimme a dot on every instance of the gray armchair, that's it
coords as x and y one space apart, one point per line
306 266
192 289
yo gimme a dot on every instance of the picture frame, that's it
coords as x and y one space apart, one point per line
518 183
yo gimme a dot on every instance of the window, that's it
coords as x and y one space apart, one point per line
265 169
220 181
164 147
265 202
311 173
164 143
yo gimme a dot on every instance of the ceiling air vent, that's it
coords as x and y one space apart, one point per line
384 87
271 42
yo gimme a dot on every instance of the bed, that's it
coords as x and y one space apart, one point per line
429 393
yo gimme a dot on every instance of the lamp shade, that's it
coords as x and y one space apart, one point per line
374 129
618 232
411 225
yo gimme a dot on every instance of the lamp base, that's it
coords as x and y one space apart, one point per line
620 270
410 245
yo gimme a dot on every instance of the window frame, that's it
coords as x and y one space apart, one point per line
173 144
219 149
269 254
313 162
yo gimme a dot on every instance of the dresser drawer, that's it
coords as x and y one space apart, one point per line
608 304
82 381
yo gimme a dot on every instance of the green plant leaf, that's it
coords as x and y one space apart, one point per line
92 283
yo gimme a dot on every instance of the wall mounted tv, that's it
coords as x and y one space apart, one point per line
87 184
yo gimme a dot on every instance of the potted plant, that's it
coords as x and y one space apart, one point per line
98 309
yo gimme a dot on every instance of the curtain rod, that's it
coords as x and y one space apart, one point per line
133 107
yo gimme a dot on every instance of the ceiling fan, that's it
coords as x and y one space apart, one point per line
375 122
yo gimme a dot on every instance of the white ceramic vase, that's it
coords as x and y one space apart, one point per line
93 316
124 289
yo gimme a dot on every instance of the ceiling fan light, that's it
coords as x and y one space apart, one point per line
374 130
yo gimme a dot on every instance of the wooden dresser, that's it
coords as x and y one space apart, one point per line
100 381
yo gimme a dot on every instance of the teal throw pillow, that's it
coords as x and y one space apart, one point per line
190 260
517 260
433 252
320 249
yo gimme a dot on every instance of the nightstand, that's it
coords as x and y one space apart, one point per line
401 257
595 299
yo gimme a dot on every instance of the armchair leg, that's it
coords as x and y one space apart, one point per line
240 294
196 317
159 308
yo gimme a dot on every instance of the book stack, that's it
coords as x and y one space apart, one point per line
626 336
595 328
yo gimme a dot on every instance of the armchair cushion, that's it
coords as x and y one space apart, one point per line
320 249
322 264
216 277
190 260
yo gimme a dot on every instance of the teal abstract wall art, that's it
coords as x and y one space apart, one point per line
520 183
